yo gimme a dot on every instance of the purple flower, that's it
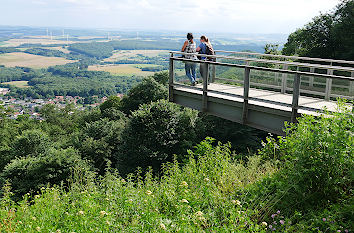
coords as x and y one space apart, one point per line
270 226
275 223
278 212
281 222
346 230
273 215
324 219
339 231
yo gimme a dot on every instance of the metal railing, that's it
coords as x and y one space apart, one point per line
283 67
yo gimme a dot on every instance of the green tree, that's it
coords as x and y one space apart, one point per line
161 77
154 134
329 35
144 93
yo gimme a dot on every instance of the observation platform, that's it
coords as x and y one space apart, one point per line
261 90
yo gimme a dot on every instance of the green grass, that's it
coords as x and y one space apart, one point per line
202 195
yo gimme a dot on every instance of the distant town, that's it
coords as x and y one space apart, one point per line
31 107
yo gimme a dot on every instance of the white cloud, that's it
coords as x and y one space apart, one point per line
210 15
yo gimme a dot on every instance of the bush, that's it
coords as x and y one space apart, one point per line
318 159
144 93
28 174
154 133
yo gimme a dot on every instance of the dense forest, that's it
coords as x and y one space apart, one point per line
65 80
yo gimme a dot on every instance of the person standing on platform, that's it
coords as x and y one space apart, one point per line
189 46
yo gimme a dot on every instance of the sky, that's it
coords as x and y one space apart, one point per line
233 16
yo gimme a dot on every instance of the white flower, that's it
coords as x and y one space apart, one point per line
236 202
264 224
103 213
184 201
199 213
80 212
162 226
206 179
148 192
185 184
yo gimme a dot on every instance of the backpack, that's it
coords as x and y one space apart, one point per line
210 51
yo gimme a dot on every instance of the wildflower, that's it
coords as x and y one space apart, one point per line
324 219
185 184
58 231
19 222
184 201
162 226
206 179
103 213
270 226
278 212
123 181
273 215
38 229
275 223
236 202
199 213
34 218
108 223
145 200
81 212
37 196
281 222
346 231
264 224
148 192
130 200
339 231
186 191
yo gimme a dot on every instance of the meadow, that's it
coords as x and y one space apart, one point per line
30 60
18 84
122 69
133 54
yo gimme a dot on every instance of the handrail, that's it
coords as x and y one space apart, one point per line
308 65
262 68
290 57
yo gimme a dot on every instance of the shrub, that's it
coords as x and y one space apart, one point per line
28 174
154 133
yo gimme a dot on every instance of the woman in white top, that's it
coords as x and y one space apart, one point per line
189 46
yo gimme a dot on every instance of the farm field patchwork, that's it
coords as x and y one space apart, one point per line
30 60
122 69
37 40
133 54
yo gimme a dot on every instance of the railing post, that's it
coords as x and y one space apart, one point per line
328 85
284 79
171 78
296 95
213 73
311 79
205 88
351 85
246 92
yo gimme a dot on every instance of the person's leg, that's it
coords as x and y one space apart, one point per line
187 66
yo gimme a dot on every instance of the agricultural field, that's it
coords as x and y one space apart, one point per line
122 69
64 50
133 54
19 84
36 40
30 60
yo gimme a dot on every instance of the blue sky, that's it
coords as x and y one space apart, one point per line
236 16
